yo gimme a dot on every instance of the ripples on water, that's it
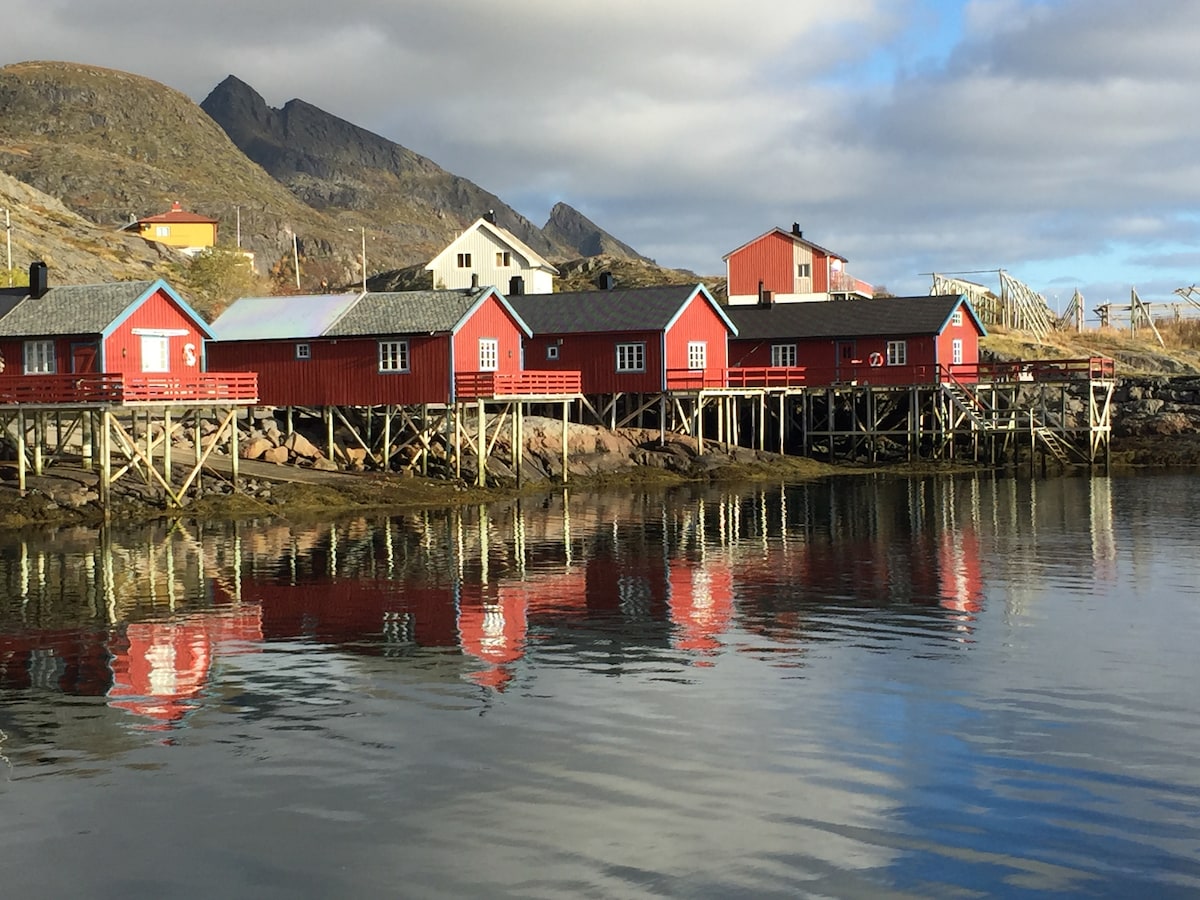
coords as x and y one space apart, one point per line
860 687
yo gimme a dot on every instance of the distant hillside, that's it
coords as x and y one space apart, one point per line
571 228
111 145
75 250
583 275
334 165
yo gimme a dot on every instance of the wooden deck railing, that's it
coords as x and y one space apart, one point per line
737 377
473 385
106 387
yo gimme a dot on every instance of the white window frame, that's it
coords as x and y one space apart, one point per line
804 270
631 357
162 230
503 259
552 351
464 260
40 358
489 354
956 317
393 356
303 351
956 351
783 355
156 353
697 357
897 353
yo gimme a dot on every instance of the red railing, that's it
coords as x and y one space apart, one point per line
468 385
737 377
205 386
105 387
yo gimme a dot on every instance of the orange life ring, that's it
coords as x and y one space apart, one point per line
876 360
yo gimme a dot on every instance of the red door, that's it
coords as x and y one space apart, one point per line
84 357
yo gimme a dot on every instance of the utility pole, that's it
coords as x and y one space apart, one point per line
296 258
364 258
238 210
8 241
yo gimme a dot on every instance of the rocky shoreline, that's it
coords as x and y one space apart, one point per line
1156 424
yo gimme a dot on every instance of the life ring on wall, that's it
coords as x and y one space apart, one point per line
189 354
876 360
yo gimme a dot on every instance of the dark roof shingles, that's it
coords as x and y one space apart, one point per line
844 318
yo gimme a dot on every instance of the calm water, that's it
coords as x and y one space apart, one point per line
946 687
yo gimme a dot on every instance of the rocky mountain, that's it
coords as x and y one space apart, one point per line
334 165
97 147
111 146
75 250
571 228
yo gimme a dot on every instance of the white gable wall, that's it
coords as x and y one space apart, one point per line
483 249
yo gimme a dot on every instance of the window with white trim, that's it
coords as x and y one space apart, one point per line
156 353
804 270
303 351
956 353
631 357
783 354
697 354
162 231
503 259
552 351
956 317
393 356
489 354
39 358
464 260
897 353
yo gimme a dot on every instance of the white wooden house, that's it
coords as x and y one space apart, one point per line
487 254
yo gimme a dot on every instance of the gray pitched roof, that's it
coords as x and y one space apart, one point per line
621 309
345 315
281 318
73 309
406 312
847 318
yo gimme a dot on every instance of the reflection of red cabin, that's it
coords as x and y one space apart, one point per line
627 340
368 348
127 328
897 340
160 668
492 628
701 602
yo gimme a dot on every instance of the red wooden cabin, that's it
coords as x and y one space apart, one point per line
128 340
785 267
894 341
628 340
366 349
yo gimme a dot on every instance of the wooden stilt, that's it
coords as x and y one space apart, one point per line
21 451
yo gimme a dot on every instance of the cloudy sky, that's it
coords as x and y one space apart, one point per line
1056 139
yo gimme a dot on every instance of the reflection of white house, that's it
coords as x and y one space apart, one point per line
486 254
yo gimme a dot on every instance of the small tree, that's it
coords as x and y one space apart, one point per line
14 278
215 277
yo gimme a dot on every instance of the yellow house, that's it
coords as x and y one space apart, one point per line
188 231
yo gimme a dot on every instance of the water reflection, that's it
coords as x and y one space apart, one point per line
612 580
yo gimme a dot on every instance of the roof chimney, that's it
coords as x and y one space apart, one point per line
38 280
474 281
490 216
605 281
175 207
796 230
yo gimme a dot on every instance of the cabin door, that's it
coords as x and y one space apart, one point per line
847 360
84 358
